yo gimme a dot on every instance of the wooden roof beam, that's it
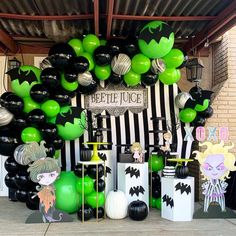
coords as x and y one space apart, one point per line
214 29
8 42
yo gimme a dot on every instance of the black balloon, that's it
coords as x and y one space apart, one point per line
86 213
154 178
60 55
207 113
195 92
58 143
102 56
3 98
23 181
98 212
99 185
115 46
19 122
32 198
31 205
156 191
21 195
39 93
50 152
138 210
131 46
14 103
149 78
70 74
78 170
62 97
50 78
11 165
49 132
80 64
36 117
199 121
90 89
9 140
10 180
115 78
92 171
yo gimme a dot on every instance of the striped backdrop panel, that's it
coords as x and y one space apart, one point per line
130 127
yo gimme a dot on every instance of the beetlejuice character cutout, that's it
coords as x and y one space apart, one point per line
167 137
43 171
215 164
137 152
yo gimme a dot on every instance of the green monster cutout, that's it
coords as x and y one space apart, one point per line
23 78
156 39
71 122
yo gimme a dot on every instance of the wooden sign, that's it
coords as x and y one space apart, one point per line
116 99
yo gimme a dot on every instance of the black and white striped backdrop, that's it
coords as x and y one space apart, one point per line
131 127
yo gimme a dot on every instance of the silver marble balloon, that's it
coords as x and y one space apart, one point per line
5 116
85 79
121 64
45 64
158 66
181 99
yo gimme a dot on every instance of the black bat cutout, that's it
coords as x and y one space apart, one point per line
132 171
74 112
108 170
168 200
102 156
22 76
136 190
155 33
198 99
183 188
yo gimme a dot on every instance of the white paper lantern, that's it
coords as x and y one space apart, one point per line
116 205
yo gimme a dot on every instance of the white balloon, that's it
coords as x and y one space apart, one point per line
5 116
181 99
121 64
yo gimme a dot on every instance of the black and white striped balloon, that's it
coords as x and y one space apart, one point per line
5 116
85 79
121 64
181 99
158 66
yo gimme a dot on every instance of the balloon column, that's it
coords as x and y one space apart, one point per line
195 106
90 186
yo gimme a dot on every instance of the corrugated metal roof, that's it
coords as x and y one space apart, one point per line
62 30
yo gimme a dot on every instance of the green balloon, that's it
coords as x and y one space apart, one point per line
51 108
187 115
32 77
90 43
67 198
158 203
85 185
132 78
202 107
140 64
30 104
71 131
102 72
174 58
96 199
103 42
152 202
170 76
155 162
57 154
89 57
156 48
30 134
69 86
77 45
